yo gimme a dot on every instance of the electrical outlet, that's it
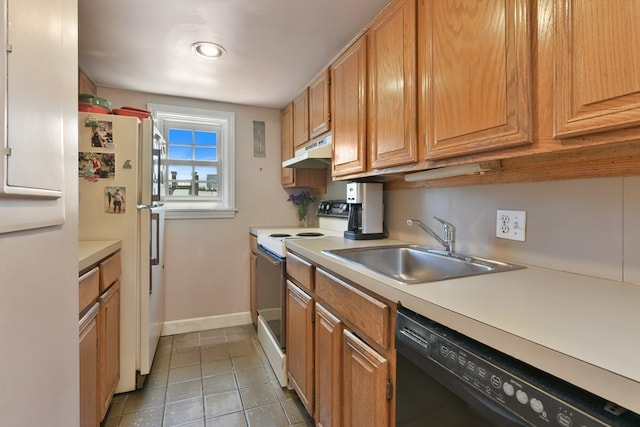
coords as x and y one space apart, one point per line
511 225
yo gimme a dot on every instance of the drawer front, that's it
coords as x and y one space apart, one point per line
109 271
366 313
300 271
88 288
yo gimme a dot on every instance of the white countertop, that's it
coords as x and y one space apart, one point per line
92 251
582 329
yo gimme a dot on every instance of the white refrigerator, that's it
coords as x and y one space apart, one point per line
120 188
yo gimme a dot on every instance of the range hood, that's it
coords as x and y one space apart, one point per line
316 155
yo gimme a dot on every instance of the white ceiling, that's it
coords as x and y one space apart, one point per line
274 47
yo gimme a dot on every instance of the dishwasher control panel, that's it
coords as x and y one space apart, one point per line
487 377
525 400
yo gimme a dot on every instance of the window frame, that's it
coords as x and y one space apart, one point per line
224 205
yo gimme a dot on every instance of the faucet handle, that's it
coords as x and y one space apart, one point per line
447 225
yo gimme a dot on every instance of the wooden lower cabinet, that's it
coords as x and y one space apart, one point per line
340 351
88 341
299 343
365 376
108 346
328 367
99 339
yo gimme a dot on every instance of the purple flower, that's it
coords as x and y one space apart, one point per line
302 199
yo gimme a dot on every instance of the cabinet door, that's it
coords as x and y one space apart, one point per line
474 75
328 364
109 346
89 368
33 118
597 69
287 174
300 344
319 118
36 73
301 119
365 377
315 179
349 110
392 87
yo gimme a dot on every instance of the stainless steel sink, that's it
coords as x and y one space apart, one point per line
414 264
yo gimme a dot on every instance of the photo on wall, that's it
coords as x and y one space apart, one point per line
95 166
115 200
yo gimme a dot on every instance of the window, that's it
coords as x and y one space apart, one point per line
199 164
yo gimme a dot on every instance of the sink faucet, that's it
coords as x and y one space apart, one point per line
449 240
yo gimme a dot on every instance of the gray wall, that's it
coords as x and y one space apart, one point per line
589 226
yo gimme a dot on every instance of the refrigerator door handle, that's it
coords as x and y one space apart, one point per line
141 207
155 236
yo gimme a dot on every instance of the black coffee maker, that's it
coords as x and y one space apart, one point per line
365 211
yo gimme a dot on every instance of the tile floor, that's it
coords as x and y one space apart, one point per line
212 378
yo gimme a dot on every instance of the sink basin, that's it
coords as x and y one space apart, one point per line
414 264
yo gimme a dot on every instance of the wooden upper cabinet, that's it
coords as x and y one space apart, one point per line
85 84
349 110
392 87
315 179
301 119
319 113
475 75
286 129
597 68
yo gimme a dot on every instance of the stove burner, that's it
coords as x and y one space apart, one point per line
279 235
309 234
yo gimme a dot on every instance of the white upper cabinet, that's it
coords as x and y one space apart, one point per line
32 162
32 132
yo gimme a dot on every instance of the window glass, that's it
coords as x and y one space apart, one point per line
200 159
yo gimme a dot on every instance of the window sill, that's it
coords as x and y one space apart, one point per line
200 212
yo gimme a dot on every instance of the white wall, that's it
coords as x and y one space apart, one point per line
207 260
39 378
589 226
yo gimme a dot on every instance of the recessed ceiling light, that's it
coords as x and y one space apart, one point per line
208 50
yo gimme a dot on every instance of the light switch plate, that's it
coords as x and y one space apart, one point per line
511 225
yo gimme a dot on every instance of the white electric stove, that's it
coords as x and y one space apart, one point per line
271 277
332 218
274 240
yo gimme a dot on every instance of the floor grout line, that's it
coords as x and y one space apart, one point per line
237 341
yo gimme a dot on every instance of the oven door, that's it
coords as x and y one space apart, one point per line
270 293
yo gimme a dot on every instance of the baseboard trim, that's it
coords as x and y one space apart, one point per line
203 323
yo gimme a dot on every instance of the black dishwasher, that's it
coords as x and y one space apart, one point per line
446 379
